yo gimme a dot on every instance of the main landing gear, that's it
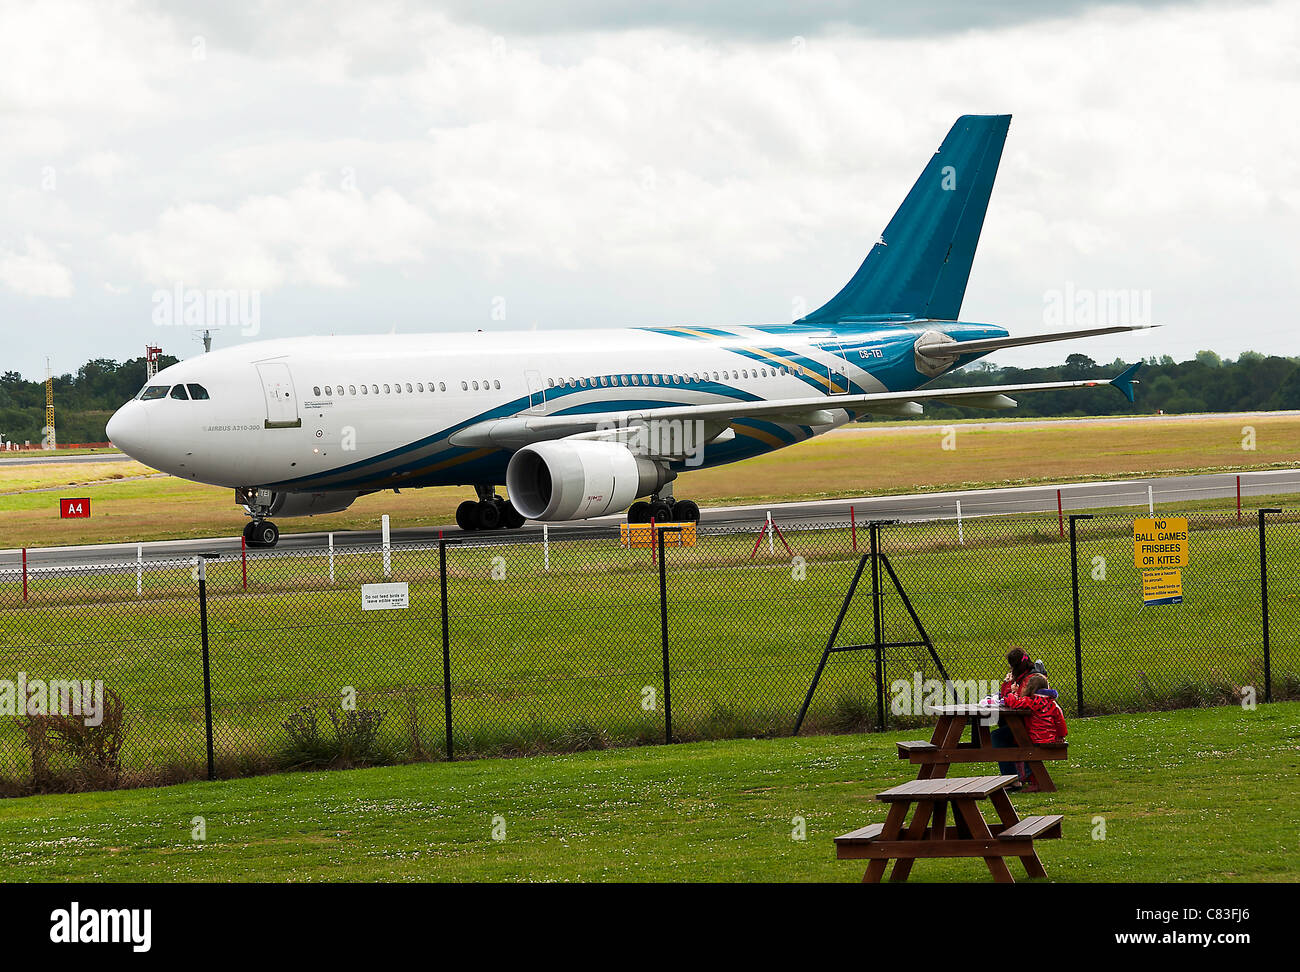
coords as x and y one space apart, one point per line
663 510
490 512
261 533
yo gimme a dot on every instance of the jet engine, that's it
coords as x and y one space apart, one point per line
578 480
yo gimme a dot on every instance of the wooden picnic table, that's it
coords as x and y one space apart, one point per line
946 746
928 834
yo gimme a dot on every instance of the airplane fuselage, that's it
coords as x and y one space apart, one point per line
384 411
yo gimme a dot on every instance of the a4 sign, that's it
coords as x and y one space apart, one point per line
70 509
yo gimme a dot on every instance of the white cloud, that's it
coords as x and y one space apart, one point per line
385 152
34 272
313 234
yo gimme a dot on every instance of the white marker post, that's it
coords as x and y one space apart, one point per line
1151 499
771 541
961 539
331 558
388 565
139 567
546 545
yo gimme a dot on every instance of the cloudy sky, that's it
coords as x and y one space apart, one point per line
360 167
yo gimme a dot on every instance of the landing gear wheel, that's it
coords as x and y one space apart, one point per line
467 516
489 516
686 511
511 518
639 512
661 512
265 533
249 537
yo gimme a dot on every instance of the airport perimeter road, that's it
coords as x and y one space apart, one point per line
978 502
26 459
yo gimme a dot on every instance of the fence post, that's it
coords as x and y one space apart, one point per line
388 564
24 573
207 672
878 625
663 635
446 643
1074 587
139 568
1263 605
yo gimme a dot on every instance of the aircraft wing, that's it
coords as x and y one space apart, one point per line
521 430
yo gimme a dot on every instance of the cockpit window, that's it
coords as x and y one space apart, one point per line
198 393
152 392
178 391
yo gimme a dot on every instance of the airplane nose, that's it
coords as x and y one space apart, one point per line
128 429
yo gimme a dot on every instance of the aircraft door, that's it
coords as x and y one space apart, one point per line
536 393
281 402
837 376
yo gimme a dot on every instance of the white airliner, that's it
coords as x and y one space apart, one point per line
578 424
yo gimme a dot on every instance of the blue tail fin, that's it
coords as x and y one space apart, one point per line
921 264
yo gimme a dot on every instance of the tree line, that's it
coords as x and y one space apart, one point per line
1207 383
83 403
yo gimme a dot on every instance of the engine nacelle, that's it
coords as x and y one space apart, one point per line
309 504
578 480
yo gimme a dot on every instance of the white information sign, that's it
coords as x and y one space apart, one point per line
384 597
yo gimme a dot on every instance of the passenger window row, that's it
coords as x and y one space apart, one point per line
399 387
602 381
689 378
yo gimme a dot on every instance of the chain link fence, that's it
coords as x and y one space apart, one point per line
524 643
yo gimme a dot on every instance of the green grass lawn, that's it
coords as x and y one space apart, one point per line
562 659
1192 795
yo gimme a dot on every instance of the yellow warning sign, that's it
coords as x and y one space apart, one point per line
642 535
1160 544
1162 587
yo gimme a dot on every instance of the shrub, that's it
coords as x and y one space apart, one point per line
95 751
355 741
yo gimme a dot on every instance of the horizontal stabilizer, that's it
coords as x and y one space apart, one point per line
936 347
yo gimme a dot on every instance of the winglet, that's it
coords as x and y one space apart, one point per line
1126 381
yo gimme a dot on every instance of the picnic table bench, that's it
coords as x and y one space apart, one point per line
946 746
928 833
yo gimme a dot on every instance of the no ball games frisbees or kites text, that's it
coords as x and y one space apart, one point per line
1160 543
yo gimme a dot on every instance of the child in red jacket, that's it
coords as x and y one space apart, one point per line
1046 721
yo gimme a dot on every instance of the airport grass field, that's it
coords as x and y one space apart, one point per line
133 503
1192 795
560 658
